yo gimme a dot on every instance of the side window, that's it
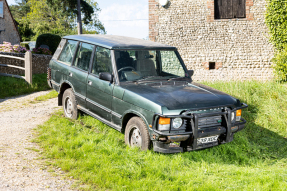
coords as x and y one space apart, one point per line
229 9
59 49
102 61
83 56
68 52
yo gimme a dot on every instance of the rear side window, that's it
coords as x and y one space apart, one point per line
102 61
68 52
59 49
83 57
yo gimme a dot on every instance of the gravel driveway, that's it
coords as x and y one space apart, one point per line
20 168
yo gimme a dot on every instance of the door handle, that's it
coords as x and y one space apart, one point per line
89 82
70 74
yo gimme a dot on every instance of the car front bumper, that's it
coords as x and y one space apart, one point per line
187 141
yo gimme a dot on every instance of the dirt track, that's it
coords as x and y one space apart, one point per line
20 168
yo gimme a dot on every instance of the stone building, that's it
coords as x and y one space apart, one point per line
8 27
218 39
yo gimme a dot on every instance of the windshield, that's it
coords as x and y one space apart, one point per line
136 65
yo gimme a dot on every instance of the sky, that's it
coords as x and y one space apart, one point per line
125 17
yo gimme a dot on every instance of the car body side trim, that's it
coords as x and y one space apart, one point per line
55 83
98 105
80 96
117 115
118 128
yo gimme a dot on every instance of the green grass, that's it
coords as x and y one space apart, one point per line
96 154
13 86
47 96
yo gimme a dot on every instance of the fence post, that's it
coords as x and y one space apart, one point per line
28 67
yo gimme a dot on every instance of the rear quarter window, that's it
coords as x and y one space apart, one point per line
68 52
59 49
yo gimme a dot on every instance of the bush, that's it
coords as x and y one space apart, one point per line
26 45
50 40
280 64
41 51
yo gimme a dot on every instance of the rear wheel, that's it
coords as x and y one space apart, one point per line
136 134
70 104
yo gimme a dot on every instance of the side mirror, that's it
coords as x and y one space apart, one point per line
106 76
190 72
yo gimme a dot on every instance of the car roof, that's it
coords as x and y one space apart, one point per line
119 42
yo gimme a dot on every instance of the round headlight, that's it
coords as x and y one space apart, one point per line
176 123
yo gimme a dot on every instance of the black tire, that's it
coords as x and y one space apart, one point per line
70 104
136 134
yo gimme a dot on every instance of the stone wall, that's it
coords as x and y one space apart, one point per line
238 48
8 30
40 63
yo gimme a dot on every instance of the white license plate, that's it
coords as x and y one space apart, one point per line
207 139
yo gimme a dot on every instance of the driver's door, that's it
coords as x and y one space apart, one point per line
99 92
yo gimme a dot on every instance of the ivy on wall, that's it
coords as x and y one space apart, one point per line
276 21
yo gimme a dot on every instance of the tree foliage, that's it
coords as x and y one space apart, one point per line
19 12
55 16
276 21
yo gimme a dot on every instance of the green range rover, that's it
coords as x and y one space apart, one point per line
143 89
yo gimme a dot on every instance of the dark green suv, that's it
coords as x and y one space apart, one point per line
144 90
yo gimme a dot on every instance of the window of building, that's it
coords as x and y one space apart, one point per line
83 57
1 9
229 9
211 65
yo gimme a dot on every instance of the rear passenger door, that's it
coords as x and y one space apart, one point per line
78 73
61 67
99 92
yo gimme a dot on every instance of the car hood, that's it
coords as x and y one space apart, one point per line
180 95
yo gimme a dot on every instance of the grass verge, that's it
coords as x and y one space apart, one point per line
10 86
50 95
96 154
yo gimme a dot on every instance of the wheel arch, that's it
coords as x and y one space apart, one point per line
130 114
65 85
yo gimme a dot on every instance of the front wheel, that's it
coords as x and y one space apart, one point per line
70 104
136 134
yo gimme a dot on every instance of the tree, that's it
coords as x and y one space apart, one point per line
55 16
89 10
19 12
44 19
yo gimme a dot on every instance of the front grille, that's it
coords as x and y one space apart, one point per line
209 121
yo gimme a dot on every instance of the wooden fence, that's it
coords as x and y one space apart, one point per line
28 67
